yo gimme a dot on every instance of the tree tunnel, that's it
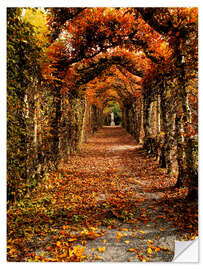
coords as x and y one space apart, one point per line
139 63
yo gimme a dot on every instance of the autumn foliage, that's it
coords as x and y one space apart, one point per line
68 69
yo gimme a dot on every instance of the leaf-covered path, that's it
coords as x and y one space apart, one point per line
107 202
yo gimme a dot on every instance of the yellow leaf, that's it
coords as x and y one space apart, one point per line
12 250
138 181
78 250
72 239
127 241
58 243
163 45
93 228
142 232
92 249
104 241
124 229
101 249
70 252
118 236
149 250
134 234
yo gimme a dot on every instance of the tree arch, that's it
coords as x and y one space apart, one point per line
146 56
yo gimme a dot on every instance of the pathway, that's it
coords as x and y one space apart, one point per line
127 187
107 202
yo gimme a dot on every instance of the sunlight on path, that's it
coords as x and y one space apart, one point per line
125 147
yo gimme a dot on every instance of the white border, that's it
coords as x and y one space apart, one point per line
103 3
76 3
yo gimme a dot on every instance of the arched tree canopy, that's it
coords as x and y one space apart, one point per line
66 65
142 43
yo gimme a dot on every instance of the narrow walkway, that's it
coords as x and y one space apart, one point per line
107 202
124 188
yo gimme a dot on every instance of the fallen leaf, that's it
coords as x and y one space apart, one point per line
93 228
118 236
101 249
72 239
134 234
131 249
63 255
138 181
58 243
78 250
162 229
98 258
164 248
149 250
127 241
124 229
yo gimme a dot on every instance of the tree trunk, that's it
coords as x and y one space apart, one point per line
141 121
158 114
83 131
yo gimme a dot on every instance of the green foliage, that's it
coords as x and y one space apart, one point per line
22 67
112 106
115 108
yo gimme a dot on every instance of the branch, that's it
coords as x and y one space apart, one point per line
148 15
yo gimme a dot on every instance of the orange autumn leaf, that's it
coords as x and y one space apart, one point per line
118 236
77 251
131 249
72 239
